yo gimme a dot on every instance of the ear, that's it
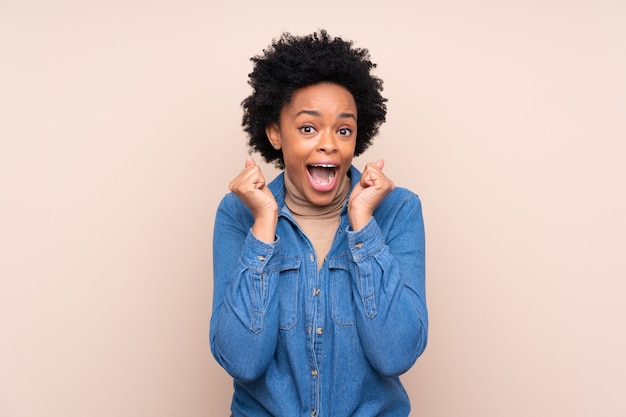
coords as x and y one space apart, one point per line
273 135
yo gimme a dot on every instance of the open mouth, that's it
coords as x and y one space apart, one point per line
322 174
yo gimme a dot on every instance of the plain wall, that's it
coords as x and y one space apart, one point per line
120 130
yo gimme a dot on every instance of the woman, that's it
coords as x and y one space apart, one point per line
319 300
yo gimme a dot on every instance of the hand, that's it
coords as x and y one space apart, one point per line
250 187
368 193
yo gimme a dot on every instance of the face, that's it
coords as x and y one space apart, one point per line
317 135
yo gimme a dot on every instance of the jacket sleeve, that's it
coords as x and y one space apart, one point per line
388 271
243 329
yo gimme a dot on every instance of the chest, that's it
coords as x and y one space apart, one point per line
315 288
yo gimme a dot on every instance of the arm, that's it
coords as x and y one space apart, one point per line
389 286
244 324
245 311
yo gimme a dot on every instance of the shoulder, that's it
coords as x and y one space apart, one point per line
231 209
400 208
401 196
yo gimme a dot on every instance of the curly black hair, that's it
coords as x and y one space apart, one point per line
293 62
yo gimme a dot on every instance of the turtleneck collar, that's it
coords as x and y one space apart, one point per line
298 205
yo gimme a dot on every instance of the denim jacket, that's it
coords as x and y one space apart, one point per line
327 343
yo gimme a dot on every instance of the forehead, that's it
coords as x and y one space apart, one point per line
323 96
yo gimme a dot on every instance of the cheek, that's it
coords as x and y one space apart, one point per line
294 163
349 148
298 152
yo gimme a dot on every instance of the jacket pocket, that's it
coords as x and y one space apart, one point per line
288 292
342 299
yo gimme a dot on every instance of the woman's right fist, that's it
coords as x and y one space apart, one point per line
250 187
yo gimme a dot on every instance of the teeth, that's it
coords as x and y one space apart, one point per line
323 165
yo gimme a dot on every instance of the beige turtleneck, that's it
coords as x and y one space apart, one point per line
318 223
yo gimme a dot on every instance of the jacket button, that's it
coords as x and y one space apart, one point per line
319 330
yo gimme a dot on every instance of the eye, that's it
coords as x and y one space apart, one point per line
307 129
344 131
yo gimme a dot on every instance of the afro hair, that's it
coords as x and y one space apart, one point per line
293 62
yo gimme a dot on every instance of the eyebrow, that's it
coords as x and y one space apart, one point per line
318 114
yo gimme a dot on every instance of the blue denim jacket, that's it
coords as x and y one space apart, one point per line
332 343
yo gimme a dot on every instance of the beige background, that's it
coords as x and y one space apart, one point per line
120 129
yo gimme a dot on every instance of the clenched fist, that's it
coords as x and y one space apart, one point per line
250 187
368 193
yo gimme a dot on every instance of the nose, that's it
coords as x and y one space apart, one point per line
327 142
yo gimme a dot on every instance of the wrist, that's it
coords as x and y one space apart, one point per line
358 220
264 227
